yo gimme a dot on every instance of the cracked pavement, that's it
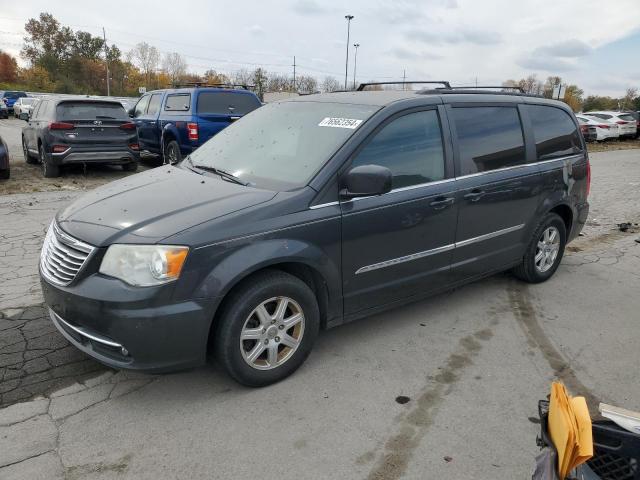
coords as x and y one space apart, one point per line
472 364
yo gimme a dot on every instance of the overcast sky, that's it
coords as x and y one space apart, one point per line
593 43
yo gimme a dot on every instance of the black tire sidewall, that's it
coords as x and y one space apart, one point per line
238 309
173 145
551 220
49 170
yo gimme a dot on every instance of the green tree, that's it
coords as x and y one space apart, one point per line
47 44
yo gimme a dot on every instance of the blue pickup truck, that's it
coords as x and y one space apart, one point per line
174 122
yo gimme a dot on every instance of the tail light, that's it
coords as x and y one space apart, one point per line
61 126
588 176
128 126
621 122
606 127
134 146
59 148
192 130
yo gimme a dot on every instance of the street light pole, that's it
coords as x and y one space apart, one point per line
346 64
355 64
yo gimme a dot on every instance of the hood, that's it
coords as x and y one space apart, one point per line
150 206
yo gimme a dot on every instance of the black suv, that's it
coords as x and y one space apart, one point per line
62 131
309 213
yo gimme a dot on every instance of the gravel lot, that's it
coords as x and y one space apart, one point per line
472 364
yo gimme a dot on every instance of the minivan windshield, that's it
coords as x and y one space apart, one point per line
280 146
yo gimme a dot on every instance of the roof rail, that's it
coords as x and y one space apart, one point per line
362 86
216 85
487 87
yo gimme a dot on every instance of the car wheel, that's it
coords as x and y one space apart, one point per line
27 156
130 167
267 328
545 251
172 152
49 170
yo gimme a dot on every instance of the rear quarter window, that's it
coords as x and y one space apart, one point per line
226 103
90 111
555 133
180 102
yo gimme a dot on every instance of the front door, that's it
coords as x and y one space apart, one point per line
147 123
399 244
498 188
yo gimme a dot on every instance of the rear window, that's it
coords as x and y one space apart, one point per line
28 101
90 111
582 120
226 103
554 131
627 117
603 116
179 102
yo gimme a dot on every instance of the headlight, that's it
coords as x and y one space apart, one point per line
144 265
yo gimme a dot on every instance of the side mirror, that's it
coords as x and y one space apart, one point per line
366 181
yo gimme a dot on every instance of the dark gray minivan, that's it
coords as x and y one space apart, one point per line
310 213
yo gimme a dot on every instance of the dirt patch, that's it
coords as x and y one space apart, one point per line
610 145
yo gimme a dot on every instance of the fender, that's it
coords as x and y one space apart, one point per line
169 128
255 256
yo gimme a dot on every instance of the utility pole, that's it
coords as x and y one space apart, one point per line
355 64
294 73
346 63
106 60
404 78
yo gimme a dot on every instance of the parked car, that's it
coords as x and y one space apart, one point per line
636 115
626 122
604 129
310 213
588 133
4 111
174 122
22 107
62 131
10 97
5 170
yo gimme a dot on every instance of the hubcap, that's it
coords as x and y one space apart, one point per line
547 249
272 333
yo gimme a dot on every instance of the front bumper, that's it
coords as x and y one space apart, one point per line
130 328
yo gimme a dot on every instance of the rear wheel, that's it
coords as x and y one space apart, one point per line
267 328
544 253
49 170
172 152
27 156
130 167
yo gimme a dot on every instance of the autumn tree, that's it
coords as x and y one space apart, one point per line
8 68
175 67
146 58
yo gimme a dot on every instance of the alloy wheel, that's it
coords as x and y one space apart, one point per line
272 333
547 249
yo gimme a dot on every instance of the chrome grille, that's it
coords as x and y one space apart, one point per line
62 256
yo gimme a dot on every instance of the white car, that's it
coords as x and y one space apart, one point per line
604 128
625 121
23 106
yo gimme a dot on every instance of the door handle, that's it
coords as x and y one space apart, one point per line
441 202
474 195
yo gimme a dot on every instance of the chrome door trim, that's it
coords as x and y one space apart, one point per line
515 167
434 251
406 258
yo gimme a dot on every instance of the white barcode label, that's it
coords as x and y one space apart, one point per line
351 123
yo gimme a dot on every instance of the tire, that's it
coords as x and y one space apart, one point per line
130 167
534 269
239 313
171 153
5 174
27 156
49 170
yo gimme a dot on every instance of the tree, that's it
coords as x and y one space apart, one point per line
307 84
277 82
330 84
175 66
87 46
573 97
146 57
8 68
595 102
212 77
259 81
628 101
48 44
243 77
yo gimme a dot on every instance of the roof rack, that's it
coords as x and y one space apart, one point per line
216 85
362 86
485 87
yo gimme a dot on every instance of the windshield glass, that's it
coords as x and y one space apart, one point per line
90 111
280 146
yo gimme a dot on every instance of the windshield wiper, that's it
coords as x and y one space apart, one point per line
218 171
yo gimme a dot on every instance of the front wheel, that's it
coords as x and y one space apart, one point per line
267 328
545 251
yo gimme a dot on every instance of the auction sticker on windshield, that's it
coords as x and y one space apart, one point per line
340 122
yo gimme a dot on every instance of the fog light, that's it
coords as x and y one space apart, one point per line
124 351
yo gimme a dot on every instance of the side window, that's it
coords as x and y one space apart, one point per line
35 114
554 131
179 102
410 146
141 106
154 104
488 138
